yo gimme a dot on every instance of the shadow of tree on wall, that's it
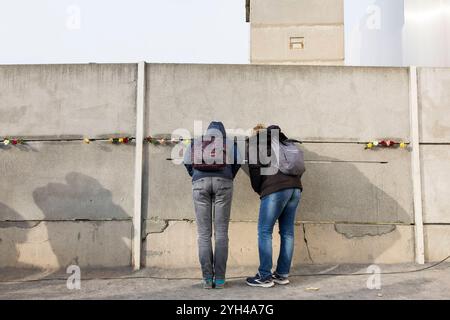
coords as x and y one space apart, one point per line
81 199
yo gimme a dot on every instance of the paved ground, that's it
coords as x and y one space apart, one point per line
433 283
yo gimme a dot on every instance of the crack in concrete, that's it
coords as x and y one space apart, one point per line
163 228
306 243
164 224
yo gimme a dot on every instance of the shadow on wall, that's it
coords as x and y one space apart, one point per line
80 198
11 238
343 206
335 190
339 191
73 227
85 201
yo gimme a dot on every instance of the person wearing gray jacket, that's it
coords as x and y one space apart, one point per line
212 189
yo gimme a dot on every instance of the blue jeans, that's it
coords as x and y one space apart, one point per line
281 206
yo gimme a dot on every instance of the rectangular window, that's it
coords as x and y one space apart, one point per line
296 43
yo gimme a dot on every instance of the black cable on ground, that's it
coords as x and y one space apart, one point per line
233 278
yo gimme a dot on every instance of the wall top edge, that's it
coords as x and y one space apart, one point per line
248 65
433 68
275 65
67 64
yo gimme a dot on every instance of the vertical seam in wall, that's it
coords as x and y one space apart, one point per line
137 215
416 166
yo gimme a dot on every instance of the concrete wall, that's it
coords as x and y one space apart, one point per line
67 100
357 204
320 23
313 103
64 202
434 103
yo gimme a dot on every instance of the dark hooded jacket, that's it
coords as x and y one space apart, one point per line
230 171
267 184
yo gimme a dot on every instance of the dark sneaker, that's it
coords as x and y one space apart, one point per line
207 284
220 283
257 281
279 279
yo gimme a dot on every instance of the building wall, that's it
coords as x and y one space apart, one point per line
317 28
397 33
374 33
64 202
427 33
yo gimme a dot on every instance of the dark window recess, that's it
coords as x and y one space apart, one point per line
247 10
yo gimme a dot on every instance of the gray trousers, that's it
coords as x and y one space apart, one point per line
212 202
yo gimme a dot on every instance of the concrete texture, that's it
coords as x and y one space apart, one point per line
434 100
55 245
319 23
321 43
297 12
302 63
343 183
176 246
346 183
310 103
435 160
67 100
65 202
121 284
437 242
66 181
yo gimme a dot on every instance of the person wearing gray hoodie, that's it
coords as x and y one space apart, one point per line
212 196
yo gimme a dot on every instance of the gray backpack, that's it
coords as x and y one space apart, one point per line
290 160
